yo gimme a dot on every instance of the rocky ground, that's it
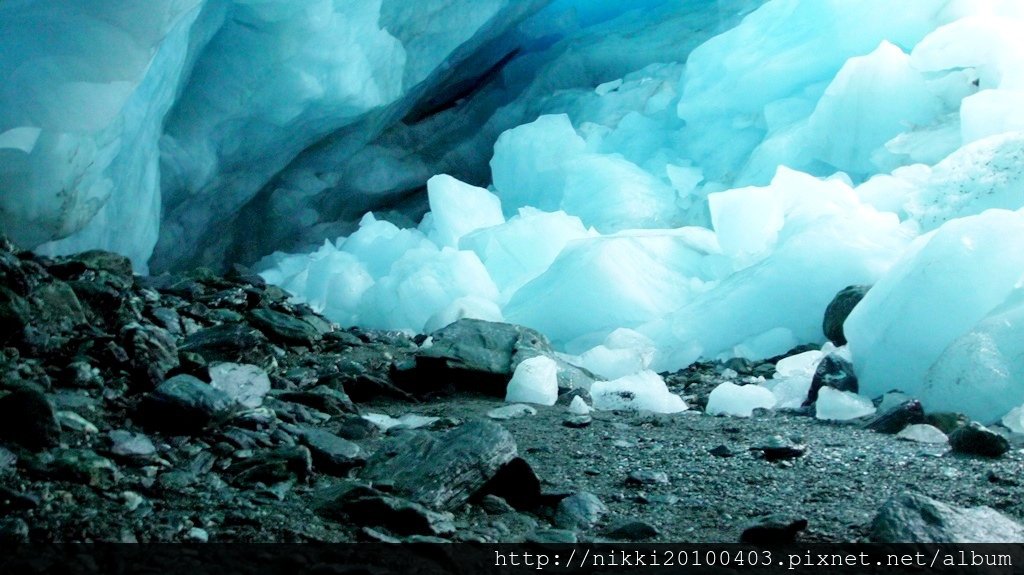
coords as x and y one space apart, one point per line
206 408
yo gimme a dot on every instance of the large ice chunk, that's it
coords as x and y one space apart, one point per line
739 400
947 282
421 284
985 174
545 164
528 163
827 242
523 247
535 380
793 378
982 371
459 208
643 391
838 405
871 100
624 352
602 283
766 75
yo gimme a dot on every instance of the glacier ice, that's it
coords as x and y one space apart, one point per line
644 391
714 208
535 380
793 377
739 400
624 352
913 329
835 405
647 183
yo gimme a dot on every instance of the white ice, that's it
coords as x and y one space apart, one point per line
739 400
835 405
535 380
645 391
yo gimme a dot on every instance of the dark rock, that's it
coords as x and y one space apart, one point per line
632 530
976 439
397 515
184 404
517 483
14 531
998 479
740 365
11 500
75 465
8 460
835 372
102 302
893 421
28 419
776 448
228 342
272 466
362 505
15 315
242 274
442 471
355 428
773 530
284 327
13 275
646 477
81 374
151 354
565 399
167 318
175 480
332 454
330 400
99 261
56 307
476 354
579 511
839 309
915 518
721 451
945 421
231 297
495 505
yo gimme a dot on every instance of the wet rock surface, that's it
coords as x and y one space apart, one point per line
203 408
914 517
839 309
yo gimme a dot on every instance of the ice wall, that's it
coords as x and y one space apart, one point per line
81 112
713 204
701 175
123 121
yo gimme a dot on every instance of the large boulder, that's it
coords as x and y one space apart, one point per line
915 518
482 356
442 472
184 404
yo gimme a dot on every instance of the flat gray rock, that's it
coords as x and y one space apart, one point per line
579 511
442 471
914 518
